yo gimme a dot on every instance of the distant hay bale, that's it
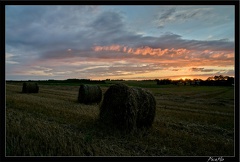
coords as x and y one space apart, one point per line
89 94
128 108
30 88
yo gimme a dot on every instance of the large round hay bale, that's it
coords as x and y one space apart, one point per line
89 94
128 108
30 87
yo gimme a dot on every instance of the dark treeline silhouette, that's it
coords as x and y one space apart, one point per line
114 80
80 81
211 81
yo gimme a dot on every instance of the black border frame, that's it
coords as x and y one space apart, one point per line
3 3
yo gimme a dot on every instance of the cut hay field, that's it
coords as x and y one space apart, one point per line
189 121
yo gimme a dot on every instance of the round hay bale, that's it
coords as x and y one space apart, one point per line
30 88
89 94
127 108
146 107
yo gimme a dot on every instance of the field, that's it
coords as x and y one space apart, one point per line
190 121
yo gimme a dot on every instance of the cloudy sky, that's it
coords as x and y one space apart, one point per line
119 42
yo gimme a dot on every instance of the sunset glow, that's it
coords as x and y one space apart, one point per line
115 42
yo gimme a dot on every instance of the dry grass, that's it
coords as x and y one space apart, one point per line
52 122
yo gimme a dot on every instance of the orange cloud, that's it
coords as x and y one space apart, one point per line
143 50
217 55
229 55
222 55
107 48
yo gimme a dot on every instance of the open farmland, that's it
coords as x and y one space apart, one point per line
189 121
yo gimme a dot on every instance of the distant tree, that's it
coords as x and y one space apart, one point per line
226 77
220 77
180 80
230 81
164 81
219 81
210 78
216 77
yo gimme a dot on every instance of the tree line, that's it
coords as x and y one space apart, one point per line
210 81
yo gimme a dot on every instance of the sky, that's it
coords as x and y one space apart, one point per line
134 42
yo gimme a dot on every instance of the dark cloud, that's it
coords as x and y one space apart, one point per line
46 27
201 70
165 16
167 13
175 69
185 15
108 22
171 15
206 70
171 40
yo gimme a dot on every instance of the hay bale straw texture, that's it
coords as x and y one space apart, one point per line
128 108
30 88
89 94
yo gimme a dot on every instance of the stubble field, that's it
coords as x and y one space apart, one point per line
189 121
